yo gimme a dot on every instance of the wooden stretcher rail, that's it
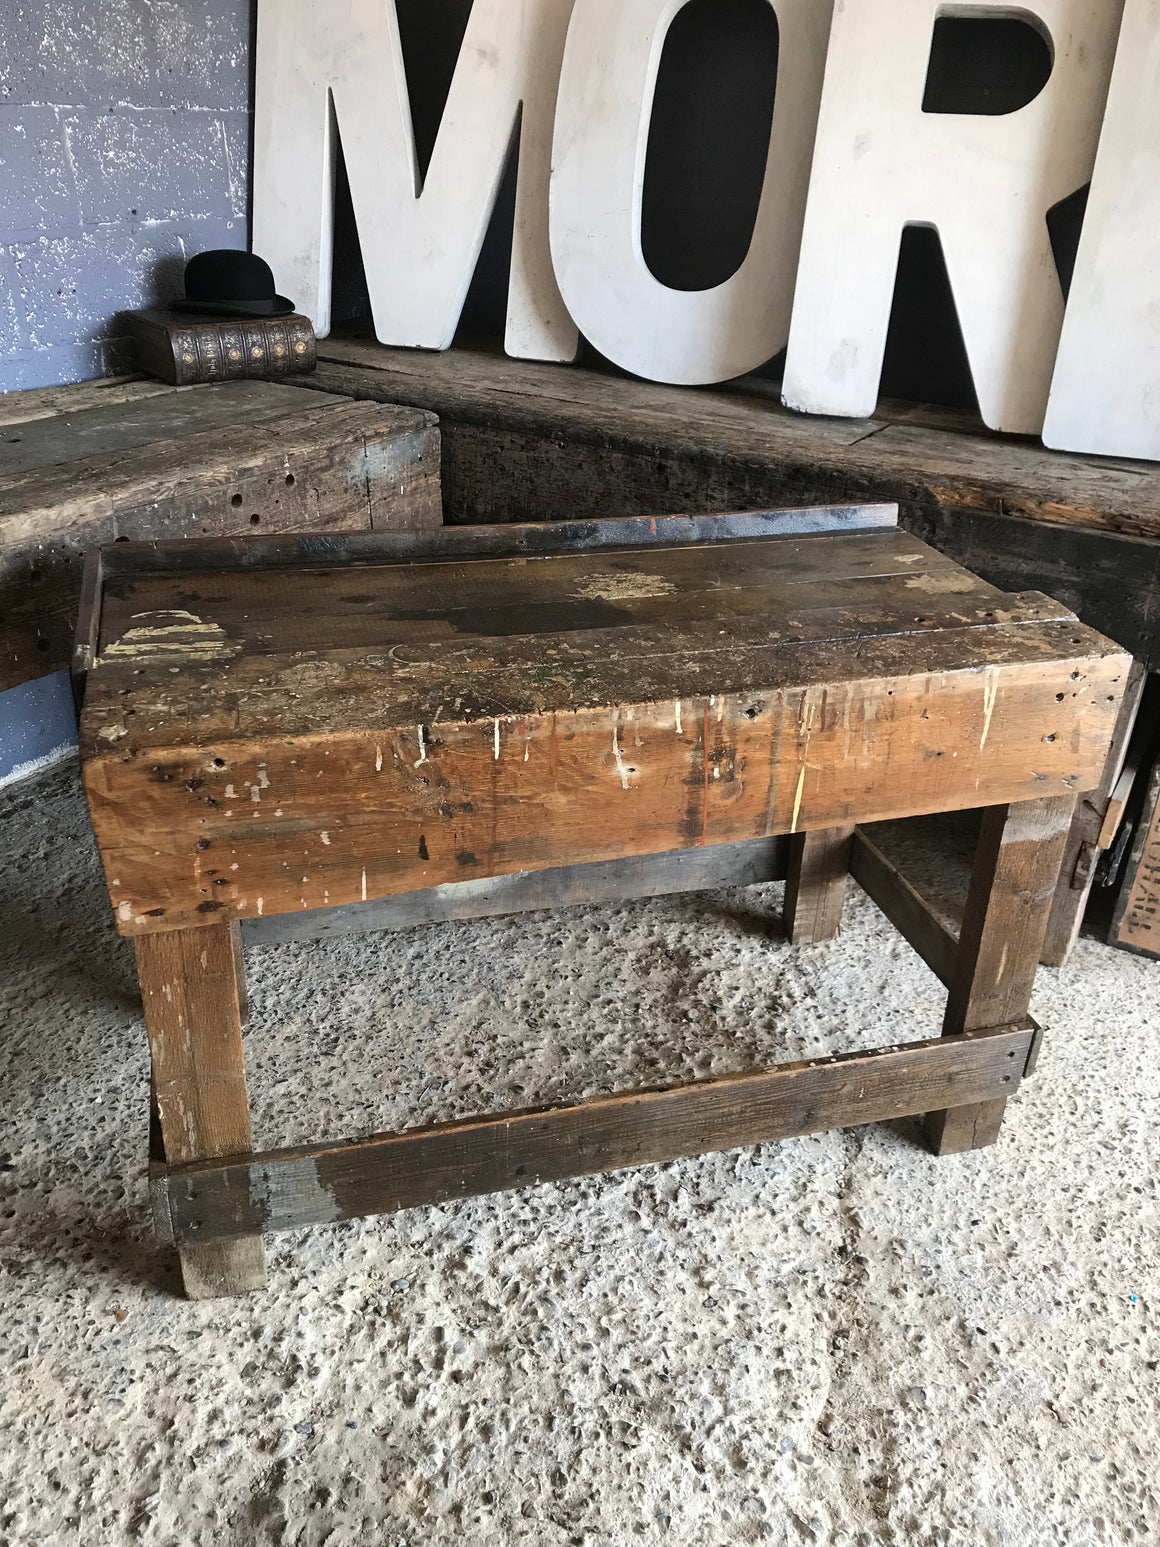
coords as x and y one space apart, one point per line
885 885
617 880
751 863
218 1200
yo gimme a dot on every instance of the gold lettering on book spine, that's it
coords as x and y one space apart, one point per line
185 362
254 338
233 354
209 349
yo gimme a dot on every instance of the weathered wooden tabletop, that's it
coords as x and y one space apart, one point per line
259 740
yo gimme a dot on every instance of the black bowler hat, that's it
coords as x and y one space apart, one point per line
238 284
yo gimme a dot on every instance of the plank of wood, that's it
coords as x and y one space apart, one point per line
1110 581
136 560
319 1184
193 1017
815 886
524 394
1094 826
587 612
205 466
1117 805
983 472
221 693
618 880
107 430
509 539
889 889
269 464
190 994
673 591
1020 479
1013 882
290 809
1136 919
18 408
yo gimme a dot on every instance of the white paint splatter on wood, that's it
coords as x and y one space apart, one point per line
174 632
618 759
990 689
797 799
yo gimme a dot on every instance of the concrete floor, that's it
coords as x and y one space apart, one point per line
837 1340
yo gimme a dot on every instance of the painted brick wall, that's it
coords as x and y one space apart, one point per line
124 149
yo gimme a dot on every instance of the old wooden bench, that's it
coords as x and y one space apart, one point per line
280 734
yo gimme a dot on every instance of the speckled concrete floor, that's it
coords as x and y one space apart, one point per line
837 1340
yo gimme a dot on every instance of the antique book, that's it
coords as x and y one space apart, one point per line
184 349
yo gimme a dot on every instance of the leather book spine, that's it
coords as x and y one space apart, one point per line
186 351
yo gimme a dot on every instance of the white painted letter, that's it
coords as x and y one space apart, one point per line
985 183
336 69
602 125
1105 396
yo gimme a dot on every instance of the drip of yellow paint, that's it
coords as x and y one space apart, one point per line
797 800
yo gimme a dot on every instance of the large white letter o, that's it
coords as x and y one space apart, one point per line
603 112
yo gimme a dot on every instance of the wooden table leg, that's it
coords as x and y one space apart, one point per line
1078 870
193 1016
815 886
1012 887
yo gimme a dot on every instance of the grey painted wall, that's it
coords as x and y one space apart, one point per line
124 149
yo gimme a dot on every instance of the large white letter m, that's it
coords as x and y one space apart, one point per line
335 70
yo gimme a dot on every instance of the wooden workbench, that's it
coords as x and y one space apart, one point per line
275 728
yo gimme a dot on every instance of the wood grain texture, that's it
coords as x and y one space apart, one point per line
133 561
189 989
441 722
20 408
1094 826
190 984
233 457
1109 581
1013 882
220 1268
318 1184
815 886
